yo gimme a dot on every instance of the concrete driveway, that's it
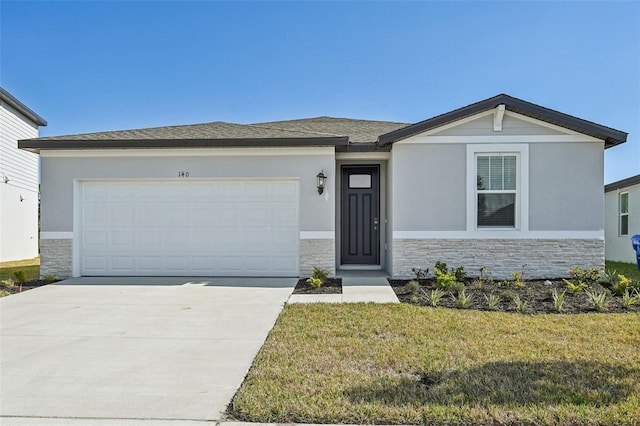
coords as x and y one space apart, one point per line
133 348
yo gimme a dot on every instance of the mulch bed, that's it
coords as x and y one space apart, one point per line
535 293
29 285
330 286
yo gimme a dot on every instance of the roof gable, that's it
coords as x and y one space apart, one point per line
21 108
611 136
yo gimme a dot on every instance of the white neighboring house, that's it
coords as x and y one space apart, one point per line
621 218
19 180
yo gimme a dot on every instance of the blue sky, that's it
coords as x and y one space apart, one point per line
95 66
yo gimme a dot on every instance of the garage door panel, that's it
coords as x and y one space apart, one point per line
190 228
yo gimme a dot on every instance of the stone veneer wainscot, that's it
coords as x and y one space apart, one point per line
543 258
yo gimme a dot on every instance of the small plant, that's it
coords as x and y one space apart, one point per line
420 274
441 266
629 299
413 286
588 276
493 300
522 306
504 283
558 299
8 283
435 296
460 274
598 301
621 285
49 278
320 274
575 286
483 271
315 282
477 283
462 300
20 276
517 279
415 299
4 292
445 279
609 276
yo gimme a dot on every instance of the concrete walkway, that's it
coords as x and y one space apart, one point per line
354 290
112 351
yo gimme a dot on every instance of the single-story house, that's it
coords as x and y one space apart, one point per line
19 180
500 183
621 218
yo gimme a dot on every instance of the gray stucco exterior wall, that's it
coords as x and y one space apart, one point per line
58 174
565 190
429 187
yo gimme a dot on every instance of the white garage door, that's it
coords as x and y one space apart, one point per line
202 228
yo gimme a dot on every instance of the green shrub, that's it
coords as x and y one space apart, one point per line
315 282
4 292
460 274
413 286
621 285
441 266
610 276
49 278
444 279
20 276
320 274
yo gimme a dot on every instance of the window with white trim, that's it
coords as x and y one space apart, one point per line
624 213
496 190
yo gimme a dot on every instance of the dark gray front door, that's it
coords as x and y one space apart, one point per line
360 216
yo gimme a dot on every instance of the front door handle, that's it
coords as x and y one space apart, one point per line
375 223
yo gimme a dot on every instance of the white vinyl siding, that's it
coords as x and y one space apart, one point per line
18 166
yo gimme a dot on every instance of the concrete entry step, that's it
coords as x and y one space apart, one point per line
354 290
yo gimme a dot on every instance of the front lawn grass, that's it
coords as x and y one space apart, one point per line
629 270
402 364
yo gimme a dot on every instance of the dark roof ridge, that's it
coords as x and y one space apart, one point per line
610 135
22 108
334 118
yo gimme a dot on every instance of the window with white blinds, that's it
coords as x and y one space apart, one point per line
496 190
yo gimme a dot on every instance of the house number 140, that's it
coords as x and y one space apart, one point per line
183 174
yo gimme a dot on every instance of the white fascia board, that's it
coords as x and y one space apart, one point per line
363 155
498 234
188 152
317 235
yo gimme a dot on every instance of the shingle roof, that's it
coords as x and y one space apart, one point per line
624 183
358 131
21 108
345 133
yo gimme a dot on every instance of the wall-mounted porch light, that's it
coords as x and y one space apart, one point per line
322 180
